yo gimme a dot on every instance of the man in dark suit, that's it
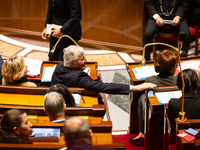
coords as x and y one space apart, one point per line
66 13
160 10
55 107
194 13
77 135
71 74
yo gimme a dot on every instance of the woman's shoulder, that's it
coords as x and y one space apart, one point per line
27 84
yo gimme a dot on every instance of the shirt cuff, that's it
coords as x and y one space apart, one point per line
179 17
131 88
155 16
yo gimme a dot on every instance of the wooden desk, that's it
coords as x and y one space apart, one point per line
92 65
33 98
101 136
155 120
180 127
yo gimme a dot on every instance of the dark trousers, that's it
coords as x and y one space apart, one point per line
152 29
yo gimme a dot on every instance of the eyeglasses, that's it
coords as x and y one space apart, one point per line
82 59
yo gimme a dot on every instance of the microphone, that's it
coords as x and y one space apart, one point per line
180 40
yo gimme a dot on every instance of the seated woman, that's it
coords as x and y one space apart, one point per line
14 71
62 89
15 127
165 64
191 100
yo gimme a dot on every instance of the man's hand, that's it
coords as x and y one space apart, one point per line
44 35
143 86
159 21
56 33
177 21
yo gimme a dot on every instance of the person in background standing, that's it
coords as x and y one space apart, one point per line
68 14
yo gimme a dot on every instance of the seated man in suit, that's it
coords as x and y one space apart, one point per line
55 107
160 10
77 135
71 74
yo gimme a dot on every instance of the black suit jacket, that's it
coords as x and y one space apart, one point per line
162 80
191 107
194 11
180 8
66 13
77 78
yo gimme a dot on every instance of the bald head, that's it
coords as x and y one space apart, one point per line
76 129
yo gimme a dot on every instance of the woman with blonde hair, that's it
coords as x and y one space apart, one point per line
14 71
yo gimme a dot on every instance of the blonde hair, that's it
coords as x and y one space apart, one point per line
14 69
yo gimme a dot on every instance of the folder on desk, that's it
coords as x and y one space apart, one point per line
143 72
77 98
45 135
164 97
47 74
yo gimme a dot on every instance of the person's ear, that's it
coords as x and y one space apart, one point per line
45 111
64 108
16 130
71 63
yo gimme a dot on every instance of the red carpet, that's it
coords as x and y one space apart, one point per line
125 138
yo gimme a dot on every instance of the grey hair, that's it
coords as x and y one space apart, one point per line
54 104
72 53
80 133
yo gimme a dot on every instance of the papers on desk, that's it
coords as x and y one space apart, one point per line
168 21
47 74
77 98
188 65
143 72
34 66
45 135
164 97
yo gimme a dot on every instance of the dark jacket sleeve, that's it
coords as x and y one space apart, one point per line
150 5
182 8
88 83
75 16
49 16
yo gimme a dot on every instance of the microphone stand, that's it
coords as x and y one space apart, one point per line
156 43
181 117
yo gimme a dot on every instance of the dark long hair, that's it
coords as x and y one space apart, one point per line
12 118
62 89
190 78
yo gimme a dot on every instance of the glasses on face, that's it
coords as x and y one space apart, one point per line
82 59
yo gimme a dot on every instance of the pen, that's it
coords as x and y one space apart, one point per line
83 99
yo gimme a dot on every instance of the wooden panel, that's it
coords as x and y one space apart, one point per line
119 24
